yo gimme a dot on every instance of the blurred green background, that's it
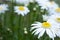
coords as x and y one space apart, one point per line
12 25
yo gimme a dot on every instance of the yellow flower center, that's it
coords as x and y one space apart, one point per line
21 8
58 19
1 8
46 25
57 10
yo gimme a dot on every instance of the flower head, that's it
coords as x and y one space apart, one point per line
52 29
55 18
53 8
3 8
42 3
21 10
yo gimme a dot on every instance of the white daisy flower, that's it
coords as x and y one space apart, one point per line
52 29
42 3
55 11
21 10
52 7
3 8
55 18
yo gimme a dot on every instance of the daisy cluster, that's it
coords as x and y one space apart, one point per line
51 21
23 10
